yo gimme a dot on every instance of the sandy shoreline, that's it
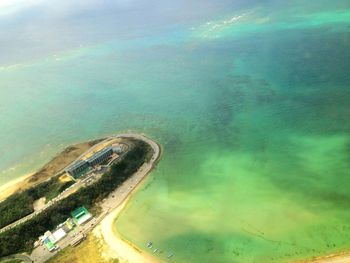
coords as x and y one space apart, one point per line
128 252
333 258
125 251
13 186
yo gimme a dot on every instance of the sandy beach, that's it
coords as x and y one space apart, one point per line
121 248
334 258
125 251
13 186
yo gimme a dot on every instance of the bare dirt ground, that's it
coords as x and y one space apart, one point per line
39 204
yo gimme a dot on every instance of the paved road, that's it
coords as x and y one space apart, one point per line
23 257
41 254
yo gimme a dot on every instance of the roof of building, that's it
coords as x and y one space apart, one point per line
79 212
59 234
99 154
117 149
84 219
49 244
76 165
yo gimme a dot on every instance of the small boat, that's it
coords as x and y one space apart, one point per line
170 255
149 244
155 251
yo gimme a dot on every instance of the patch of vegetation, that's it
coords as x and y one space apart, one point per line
20 204
15 207
49 189
22 237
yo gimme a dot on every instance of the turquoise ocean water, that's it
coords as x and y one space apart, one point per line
250 101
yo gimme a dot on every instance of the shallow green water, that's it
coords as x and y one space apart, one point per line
251 104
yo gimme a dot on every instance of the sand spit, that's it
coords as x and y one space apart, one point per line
334 258
125 251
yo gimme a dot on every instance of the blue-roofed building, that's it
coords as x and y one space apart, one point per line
78 168
100 156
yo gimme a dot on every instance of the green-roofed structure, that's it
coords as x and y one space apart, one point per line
49 244
81 215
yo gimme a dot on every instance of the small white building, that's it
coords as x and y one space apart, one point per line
59 234
117 148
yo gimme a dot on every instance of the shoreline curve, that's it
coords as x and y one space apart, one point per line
125 250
